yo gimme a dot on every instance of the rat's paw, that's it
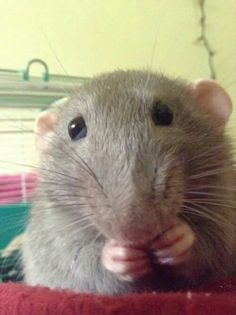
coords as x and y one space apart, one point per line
174 246
128 263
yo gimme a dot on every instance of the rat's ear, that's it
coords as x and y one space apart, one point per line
45 124
44 127
212 100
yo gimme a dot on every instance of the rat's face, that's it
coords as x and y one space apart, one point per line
129 144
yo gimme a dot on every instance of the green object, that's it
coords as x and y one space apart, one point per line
45 74
13 219
22 89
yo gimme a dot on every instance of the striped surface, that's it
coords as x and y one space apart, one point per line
17 188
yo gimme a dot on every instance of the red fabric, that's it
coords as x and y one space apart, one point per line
219 299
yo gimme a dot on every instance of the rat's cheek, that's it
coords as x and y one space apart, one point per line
175 245
127 263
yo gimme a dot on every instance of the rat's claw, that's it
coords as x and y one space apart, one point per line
126 262
174 246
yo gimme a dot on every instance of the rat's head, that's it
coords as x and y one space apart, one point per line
124 147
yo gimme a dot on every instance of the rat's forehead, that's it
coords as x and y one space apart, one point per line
126 91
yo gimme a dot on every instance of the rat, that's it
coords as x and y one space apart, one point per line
136 187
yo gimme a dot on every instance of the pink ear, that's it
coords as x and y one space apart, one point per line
44 126
212 100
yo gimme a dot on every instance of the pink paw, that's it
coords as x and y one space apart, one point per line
174 246
128 263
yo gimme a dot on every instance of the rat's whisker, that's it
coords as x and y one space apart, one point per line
217 171
213 201
78 160
83 229
42 169
58 184
12 217
212 164
205 209
202 186
78 222
39 168
59 195
200 201
77 206
207 153
202 193
16 226
205 213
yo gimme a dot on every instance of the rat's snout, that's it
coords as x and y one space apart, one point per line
144 195
135 224
135 212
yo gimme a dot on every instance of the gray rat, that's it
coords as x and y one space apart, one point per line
135 189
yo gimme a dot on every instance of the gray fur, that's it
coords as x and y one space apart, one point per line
121 176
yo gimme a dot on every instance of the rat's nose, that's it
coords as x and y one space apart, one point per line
137 224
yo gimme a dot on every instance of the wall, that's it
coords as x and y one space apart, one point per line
91 36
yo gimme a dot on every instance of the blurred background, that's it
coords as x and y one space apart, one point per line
80 38
86 37
92 36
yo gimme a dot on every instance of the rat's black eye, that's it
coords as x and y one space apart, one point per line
77 128
161 114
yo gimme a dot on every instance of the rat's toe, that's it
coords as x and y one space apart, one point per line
174 246
127 263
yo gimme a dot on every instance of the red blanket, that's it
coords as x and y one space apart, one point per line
218 299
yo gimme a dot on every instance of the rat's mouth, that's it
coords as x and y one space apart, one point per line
146 239
139 232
